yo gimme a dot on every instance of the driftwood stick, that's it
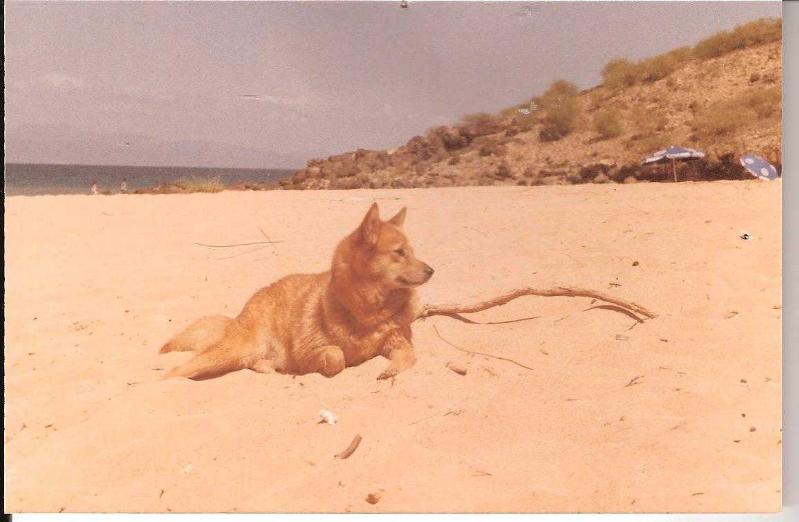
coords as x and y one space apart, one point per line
454 311
350 449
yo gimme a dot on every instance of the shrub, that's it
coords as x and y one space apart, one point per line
559 104
448 138
608 124
766 102
724 117
757 32
657 67
716 45
479 124
648 121
720 119
620 73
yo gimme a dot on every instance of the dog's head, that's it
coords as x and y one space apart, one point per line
380 252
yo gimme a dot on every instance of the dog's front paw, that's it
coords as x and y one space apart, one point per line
389 373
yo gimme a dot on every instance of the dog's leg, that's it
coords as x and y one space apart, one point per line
262 366
399 352
198 336
235 351
327 360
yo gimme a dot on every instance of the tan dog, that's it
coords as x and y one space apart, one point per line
305 323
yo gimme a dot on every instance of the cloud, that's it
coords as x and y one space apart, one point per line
61 80
298 105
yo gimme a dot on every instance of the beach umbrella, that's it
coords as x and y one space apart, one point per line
673 153
758 167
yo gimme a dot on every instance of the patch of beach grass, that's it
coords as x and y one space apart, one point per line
724 117
201 184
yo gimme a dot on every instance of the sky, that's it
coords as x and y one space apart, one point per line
273 84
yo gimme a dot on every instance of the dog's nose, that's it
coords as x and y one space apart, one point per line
428 270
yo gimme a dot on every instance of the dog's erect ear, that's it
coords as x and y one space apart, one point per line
370 226
399 219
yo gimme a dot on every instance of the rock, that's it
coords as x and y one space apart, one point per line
450 138
300 176
601 178
630 179
503 171
347 183
551 180
574 178
493 149
589 172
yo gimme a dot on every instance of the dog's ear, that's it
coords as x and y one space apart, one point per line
399 219
370 226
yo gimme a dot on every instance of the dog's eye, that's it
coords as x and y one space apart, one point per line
400 252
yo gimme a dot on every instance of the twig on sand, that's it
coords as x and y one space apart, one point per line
635 380
454 311
238 244
616 309
274 248
350 449
480 353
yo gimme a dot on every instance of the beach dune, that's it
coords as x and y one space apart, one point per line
681 413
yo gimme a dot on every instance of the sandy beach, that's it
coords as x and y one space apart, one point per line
680 414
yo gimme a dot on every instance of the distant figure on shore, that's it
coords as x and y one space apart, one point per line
94 189
123 188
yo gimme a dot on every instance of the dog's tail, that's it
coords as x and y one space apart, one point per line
199 336
221 345
214 362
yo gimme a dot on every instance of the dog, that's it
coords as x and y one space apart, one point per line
320 323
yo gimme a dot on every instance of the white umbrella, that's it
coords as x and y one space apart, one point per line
758 167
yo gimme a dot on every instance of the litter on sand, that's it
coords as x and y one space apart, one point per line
327 417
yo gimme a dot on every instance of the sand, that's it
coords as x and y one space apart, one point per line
681 413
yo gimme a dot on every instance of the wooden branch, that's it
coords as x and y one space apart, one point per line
454 311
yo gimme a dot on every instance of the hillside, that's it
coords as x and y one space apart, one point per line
722 96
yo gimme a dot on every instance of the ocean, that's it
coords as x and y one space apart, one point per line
26 179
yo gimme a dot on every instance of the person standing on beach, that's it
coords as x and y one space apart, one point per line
124 187
94 189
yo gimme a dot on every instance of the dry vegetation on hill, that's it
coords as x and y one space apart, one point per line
722 96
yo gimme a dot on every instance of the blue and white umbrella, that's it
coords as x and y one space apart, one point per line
673 153
758 167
